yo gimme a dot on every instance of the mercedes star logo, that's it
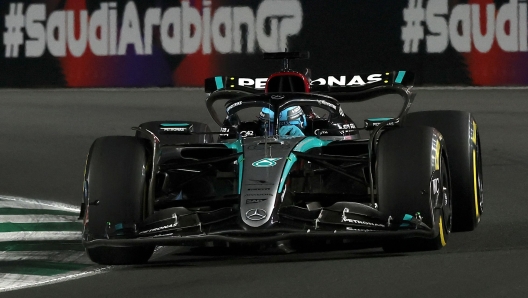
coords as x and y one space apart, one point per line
256 214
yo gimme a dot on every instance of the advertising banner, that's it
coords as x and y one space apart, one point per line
94 43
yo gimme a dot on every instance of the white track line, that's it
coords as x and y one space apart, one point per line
62 256
9 282
37 218
18 202
40 236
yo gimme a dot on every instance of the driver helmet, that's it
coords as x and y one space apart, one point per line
289 116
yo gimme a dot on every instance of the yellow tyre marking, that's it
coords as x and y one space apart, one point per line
442 239
437 158
477 212
474 133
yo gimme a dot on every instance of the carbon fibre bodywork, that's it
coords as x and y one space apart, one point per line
265 188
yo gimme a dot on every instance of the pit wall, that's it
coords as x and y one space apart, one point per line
92 43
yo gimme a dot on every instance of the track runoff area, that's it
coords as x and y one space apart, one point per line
40 243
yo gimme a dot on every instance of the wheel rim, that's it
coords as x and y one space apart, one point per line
447 217
480 192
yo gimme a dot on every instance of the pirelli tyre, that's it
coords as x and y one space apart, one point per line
462 140
413 180
115 190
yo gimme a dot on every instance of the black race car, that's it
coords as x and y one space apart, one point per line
406 186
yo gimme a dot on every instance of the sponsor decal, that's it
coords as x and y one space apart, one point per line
434 185
236 104
247 133
320 132
254 201
257 194
258 83
266 162
181 29
325 103
359 222
225 131
360 230
466 27
277 96
341 112
259 189
256 214
357 80
175 127
173 225
346 128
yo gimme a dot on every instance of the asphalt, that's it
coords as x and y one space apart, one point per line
45 136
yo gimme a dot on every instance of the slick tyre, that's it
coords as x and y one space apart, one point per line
115 186
413 178
462 139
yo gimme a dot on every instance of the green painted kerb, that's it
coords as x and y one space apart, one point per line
41 227
40 268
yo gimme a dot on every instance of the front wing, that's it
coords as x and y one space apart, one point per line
347 221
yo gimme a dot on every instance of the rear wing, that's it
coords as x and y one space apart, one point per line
327 85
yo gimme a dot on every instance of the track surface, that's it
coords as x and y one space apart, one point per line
45 136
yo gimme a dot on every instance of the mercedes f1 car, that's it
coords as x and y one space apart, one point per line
406 186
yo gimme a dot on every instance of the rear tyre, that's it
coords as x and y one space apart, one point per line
462 139
115 176
413 178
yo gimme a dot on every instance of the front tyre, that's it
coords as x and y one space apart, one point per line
462 138
413 179
115 185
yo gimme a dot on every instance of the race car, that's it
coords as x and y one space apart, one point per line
288 175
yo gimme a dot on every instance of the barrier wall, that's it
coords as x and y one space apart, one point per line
93 43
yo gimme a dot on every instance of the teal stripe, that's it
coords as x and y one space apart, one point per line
407 217
310 143
48 245
379 119
41 227
40 268
400 76
219 83
23 211
174 124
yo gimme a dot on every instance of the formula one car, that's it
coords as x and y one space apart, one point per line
273 181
